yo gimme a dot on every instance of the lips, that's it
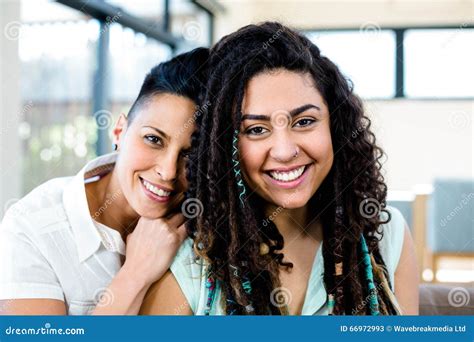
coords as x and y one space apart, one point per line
287 174
155 191
288 178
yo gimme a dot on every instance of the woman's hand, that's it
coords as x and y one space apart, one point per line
150 251
152 247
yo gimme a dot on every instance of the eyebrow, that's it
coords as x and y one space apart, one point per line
293 113
166 136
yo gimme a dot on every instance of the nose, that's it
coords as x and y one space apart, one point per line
284 148
167 167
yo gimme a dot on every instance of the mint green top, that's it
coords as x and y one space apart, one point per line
190 274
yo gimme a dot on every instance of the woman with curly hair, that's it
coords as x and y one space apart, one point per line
288 173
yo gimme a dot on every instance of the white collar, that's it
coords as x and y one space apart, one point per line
76 206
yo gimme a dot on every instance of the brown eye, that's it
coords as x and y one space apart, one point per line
255 131
154 140
304 122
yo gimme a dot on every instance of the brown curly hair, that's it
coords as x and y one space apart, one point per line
228 235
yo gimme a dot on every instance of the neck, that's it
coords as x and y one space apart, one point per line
295 223
109 206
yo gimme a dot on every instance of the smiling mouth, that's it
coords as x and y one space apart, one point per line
155 189
288 176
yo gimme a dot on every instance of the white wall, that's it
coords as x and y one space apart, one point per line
423 140
308 14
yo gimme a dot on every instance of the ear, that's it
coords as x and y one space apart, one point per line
120 129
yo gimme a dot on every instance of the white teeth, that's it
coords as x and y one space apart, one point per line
155 190
288 176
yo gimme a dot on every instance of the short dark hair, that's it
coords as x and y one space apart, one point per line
183 75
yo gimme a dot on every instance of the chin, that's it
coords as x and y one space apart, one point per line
293 203
144 208
153 213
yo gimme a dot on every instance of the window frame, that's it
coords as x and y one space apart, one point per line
399 56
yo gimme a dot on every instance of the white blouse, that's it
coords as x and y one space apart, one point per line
50 247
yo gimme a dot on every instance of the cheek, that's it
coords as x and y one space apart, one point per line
323 154
328 150
252 158
319 145
135 157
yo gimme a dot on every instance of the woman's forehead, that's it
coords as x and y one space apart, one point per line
283 90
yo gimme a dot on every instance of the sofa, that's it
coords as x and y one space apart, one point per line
452 300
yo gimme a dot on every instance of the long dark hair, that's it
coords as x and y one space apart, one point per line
228 235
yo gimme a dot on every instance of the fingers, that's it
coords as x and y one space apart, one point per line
175 220
182 233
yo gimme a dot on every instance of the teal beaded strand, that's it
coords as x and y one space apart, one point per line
247 286
331 304
211 287
373 300
236 162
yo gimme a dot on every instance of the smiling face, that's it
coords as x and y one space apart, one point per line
152 151
285 141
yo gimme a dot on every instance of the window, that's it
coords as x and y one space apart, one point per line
57 129
366 57
439 63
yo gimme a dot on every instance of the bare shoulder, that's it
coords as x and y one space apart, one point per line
165 297
407 277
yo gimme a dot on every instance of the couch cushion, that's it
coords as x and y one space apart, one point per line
446 300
